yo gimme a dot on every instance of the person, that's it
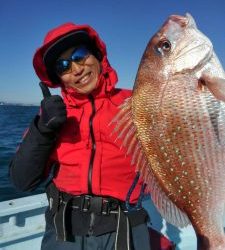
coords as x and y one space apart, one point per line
71 143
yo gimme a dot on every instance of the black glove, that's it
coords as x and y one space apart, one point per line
53 112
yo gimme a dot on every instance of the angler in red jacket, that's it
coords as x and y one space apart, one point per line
92 178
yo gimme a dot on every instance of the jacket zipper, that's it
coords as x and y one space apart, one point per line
93 148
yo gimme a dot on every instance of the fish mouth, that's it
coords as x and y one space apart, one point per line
184 21
181 20
199 45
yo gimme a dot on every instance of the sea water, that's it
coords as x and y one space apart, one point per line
14 120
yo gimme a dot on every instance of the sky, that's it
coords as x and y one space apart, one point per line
124 25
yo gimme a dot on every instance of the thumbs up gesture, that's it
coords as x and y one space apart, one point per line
53 111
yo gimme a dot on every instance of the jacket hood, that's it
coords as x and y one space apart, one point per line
108 73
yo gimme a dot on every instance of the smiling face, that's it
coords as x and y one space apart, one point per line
82 77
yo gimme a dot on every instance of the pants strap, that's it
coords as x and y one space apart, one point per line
60 222
122 241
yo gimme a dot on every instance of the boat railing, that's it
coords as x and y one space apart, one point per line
22 222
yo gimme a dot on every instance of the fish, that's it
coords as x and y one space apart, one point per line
173 126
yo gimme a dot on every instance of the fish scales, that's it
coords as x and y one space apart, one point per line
172 153
179 123
186 175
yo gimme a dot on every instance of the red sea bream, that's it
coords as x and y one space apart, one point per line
174 126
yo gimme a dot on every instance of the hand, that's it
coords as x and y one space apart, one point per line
53 111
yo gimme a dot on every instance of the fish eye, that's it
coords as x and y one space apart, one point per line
164 45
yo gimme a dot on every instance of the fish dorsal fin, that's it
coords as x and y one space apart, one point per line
127 133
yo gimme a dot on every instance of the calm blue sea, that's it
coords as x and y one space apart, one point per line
13 122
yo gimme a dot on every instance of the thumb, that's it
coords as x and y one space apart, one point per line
45 90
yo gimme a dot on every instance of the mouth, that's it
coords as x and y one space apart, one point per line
84 79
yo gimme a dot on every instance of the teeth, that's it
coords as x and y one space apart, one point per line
84 79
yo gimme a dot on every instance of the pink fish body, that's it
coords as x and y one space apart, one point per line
174 125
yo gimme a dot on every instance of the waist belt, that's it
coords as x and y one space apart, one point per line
88 204
92 215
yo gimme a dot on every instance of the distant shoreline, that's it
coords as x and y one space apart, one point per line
18 104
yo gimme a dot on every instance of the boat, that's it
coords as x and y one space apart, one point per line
22 224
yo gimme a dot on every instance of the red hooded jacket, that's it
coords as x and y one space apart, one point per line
91 160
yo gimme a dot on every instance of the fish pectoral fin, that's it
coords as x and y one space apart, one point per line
216 85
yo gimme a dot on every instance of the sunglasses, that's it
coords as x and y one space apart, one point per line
79 55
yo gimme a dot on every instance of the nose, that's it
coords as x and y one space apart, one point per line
76 68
